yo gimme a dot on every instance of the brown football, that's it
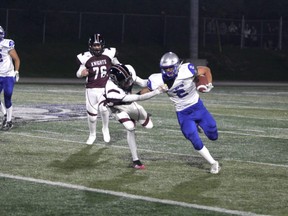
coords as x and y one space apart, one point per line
201 82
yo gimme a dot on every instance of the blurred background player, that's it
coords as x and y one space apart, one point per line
9 73
122 104
95 65
189 107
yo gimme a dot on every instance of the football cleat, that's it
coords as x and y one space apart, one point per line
7 126
138 165
215 168
106 135
91 139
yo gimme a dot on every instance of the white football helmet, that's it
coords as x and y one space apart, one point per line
169 64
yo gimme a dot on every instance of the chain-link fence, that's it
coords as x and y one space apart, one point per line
164 30
270 34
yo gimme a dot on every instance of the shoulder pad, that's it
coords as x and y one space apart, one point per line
110 52
8 43
154 81
187 70
83 57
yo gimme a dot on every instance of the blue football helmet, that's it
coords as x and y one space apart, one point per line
2 33
169 64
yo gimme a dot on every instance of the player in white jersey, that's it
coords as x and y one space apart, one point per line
95 65
9 73
122 104
189 107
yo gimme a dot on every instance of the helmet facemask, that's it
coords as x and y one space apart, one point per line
122 77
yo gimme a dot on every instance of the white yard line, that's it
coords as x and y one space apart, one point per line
130 196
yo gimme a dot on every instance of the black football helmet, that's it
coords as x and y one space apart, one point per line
122 77
96 44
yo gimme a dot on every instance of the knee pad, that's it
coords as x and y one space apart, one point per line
125 120
212 134
129 125
147 123
92 118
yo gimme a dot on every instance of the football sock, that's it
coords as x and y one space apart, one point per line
92 120
132 144
206 154
9 113
2 108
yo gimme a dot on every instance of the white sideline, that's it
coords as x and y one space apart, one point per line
130 196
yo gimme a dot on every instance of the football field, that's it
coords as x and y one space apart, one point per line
47 169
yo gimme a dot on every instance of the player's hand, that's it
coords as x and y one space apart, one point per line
84 72
17 77
209 88
163 88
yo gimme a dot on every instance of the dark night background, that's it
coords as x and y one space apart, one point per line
225 62
256 9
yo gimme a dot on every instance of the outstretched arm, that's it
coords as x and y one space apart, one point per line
136 97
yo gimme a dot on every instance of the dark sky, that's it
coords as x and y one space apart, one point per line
253 9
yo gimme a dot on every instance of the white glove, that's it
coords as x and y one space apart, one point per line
209 88
17 76
162 88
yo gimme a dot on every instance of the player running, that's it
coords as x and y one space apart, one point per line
95 65
9 73
189 107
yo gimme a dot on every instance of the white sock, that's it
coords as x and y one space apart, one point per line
9 113
132 144
2 108
206 154
105 119
92 121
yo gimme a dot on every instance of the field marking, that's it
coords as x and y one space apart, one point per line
130 196
255 135
147 150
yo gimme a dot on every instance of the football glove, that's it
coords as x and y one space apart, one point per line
209 88
17 76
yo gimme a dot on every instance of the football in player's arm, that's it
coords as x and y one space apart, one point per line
190 110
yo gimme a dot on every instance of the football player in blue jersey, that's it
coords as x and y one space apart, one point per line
190 110
9 73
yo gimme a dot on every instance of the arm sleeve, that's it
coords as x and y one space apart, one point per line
135 97
141 82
